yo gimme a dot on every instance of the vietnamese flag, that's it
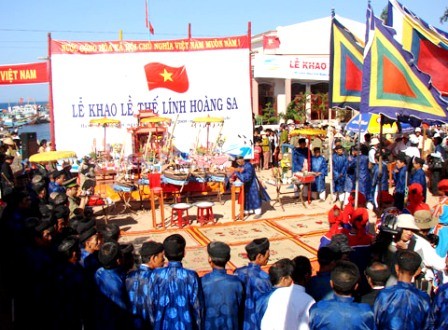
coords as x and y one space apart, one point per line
160 75
271 42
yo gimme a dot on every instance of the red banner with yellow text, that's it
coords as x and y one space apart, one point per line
182 45
27 73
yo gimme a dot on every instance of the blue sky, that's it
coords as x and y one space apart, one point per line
24 24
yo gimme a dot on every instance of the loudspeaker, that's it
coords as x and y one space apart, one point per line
29 144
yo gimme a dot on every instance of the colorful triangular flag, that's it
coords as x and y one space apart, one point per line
392 84
346 62
428 46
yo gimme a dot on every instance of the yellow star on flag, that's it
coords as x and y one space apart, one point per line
167 76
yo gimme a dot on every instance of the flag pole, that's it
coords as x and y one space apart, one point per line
330 147
357 162
50 96
380 165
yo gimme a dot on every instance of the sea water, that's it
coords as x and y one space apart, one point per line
42 131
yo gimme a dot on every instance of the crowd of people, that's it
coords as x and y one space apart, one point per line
62 271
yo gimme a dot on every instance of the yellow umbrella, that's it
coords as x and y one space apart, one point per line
207 121
154 119
104 122
308 132
51 156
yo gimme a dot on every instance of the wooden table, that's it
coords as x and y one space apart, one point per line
233 192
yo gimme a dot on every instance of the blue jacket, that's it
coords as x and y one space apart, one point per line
340 165
341 313
137 287
440 308
400 180
223 300
384 184
419 177
256 282
175 298
254 193
403 306
319 164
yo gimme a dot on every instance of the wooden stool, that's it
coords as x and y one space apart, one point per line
179 209
205 212
157 193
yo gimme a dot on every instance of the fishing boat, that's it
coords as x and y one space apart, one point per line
13 121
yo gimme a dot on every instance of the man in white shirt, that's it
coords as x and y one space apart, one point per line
413 151
288 307
409 240
372 151
418 134
401 145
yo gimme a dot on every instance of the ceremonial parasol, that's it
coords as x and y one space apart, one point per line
308 132
104 122
207 121
51 156
154 120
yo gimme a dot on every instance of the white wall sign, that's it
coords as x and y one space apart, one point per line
292 67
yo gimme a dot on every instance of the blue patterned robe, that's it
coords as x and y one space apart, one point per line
298 158
365 180
440 308
341 313
400 180
256 283
252 199
340 165
176 299
319 164
350 180
419 177
137 286
403 306
262 305
384 184
223 300
111 302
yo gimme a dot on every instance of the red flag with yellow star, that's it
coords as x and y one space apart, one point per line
159 75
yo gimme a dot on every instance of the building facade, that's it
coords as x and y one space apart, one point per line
292 63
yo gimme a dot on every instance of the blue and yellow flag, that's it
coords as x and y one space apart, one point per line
346 59
428 45
392 84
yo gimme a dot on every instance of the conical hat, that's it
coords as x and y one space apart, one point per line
8 141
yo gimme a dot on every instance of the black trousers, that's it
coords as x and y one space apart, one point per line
399 201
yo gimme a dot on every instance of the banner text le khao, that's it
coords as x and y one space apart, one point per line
27 73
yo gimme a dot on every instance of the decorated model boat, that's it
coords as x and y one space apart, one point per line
217 176
175 177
